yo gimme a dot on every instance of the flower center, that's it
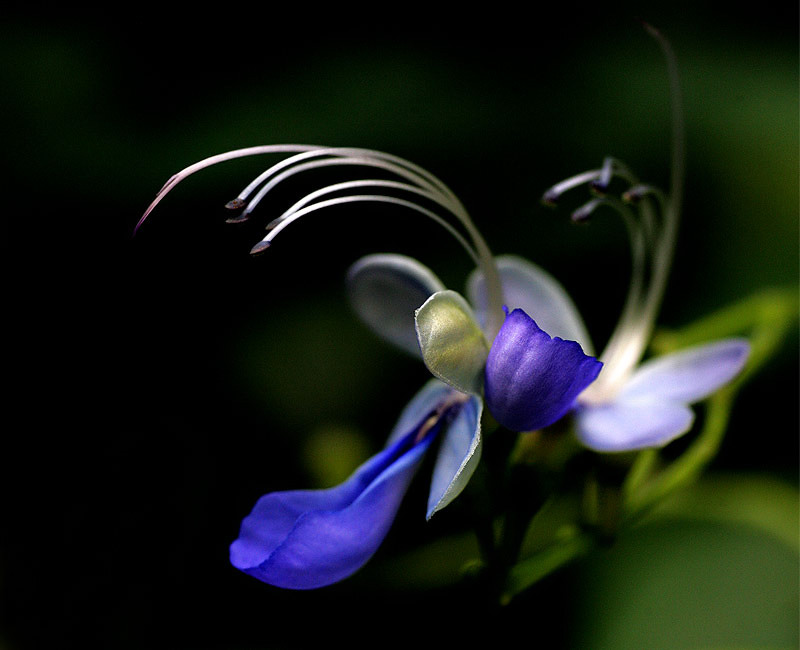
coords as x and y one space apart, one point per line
446 409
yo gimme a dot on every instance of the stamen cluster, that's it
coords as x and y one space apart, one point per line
650 218
421 186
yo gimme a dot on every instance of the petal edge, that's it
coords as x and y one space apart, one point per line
385 289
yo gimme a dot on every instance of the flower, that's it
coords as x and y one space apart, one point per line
312 538
308 539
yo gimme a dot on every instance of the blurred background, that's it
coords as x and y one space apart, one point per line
159 384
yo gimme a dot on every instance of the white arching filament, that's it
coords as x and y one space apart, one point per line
416 181
653 229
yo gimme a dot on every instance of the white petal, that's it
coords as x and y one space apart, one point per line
529 287
452 343
385 290
459 454
689 375
626 425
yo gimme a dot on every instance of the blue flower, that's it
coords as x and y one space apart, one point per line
518 342
308 539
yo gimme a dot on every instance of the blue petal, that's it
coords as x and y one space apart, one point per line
529 287
312 538
459 454
385 291
689 375
628 425
532 380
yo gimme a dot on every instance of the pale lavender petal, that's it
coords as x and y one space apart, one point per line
528 287
688 375
632 424
385 291
459 454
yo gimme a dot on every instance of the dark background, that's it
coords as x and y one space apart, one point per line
160 383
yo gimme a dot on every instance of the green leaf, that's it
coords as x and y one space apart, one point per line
701 573
763 503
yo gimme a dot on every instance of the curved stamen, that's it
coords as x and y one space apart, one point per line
552 194
586 210
666 247
213 160
393 164
629 340
601 183
347 185
640 332
425 180
619 344
353 161
597 179
378 198
424 177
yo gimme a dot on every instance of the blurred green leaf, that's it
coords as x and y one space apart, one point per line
763 503
715 566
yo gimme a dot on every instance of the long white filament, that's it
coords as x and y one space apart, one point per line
479 250
635 327
375 198
348 185
666 248
214 160
423 177
442 199
634 342
416 174
618 344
